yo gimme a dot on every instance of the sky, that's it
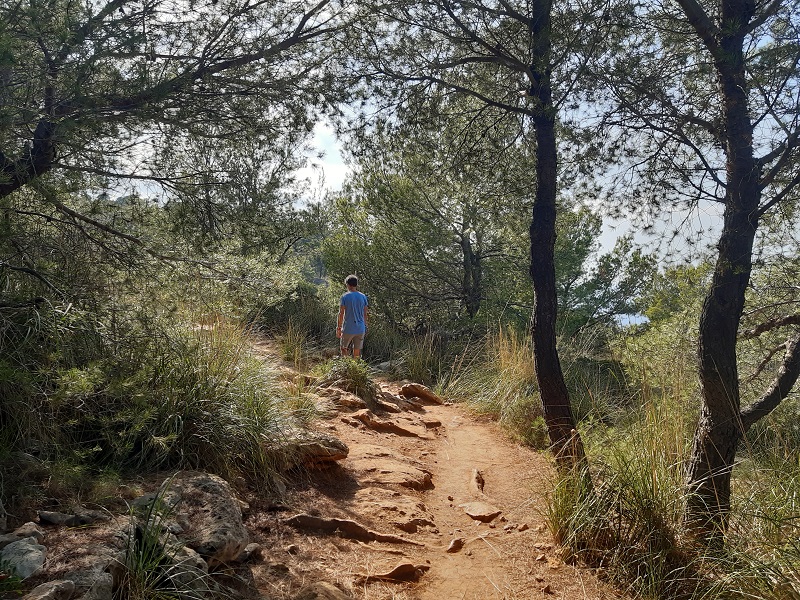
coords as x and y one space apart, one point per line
328 172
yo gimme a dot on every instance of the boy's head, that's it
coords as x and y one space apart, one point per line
351 281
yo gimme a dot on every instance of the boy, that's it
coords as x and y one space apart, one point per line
352 320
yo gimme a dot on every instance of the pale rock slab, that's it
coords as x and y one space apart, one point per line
26 556
481 511
379 467
52 590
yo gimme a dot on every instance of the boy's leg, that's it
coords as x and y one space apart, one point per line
346 342
358 344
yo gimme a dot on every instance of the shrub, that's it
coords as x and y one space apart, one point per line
154 391
305 308
352 375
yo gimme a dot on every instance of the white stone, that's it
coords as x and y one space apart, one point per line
26 556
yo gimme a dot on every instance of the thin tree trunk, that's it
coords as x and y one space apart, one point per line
719 427
564 440
35 161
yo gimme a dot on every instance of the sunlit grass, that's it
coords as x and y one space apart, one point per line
499 380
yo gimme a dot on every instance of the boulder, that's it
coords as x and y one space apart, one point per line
417 390
187 569
321 591
52 590
208 511
101 589
314 449
25 556
29 529
7 538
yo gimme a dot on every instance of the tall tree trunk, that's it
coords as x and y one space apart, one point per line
564 440
719 427
471 280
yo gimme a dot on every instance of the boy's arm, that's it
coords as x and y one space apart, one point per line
366 317
339 321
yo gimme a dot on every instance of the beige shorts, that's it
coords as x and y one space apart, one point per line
356 339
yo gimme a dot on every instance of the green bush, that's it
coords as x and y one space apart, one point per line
154 391
305 308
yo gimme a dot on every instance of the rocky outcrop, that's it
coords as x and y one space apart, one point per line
208 515
25 531
171 538
401 425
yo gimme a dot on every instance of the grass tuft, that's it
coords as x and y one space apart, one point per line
503 386
352 375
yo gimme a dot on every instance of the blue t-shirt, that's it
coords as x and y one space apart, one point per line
354 303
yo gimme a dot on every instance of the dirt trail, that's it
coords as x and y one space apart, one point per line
411 474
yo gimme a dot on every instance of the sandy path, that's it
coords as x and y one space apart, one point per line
510 558
498 560
484 568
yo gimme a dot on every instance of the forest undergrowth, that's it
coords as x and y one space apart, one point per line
93 397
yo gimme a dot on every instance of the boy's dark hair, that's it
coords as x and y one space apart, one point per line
351 280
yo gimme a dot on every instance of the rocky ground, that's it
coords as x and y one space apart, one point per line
430 503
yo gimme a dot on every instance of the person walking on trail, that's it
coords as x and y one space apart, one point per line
351 326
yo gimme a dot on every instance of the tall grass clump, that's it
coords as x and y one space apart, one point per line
383 342
762 558
631 522
294 345
499 380
423 358
219 407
